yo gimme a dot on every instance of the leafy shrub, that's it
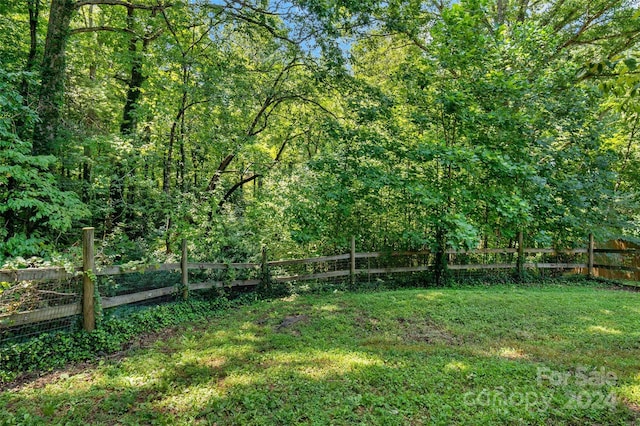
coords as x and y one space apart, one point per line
50 351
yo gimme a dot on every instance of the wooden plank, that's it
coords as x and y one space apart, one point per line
219 284
483 251
184 270
520 260
391 254
125 299
309 260
331 274
264 265
352 261
398 269
88 286
244 283
204 285
118 269
223 266
35 274
590 255
554 251
373 255
620 251
427 252
39 315
555 265
616 267
483 266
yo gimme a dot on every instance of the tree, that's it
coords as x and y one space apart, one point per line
32 208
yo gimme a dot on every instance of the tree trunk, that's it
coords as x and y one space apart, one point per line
34 13
440 261
52 77
136 79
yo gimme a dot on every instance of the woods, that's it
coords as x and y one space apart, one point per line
411 125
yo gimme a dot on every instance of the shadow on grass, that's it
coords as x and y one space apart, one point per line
470 356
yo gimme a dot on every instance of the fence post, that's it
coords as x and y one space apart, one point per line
264 268
520 261
352 258
88 286
184 267
590 250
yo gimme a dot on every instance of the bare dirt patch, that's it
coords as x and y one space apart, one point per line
291 320
424 330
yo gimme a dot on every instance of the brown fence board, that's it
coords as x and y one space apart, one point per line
110 302
483 266
555 251
391 254
331 274
205 285
309 260
33 274
125 299
222 266
52 313
555 265
39 315
120 270
483 251
374 271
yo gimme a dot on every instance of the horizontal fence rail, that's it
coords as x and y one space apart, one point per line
351 265
33 274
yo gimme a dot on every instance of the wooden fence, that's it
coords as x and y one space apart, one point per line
88 303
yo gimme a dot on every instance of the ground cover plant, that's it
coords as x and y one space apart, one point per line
479 355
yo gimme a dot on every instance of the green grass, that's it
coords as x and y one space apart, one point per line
442 356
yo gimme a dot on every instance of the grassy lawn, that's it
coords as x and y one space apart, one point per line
482 355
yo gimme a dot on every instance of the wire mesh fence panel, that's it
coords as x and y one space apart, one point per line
323 268
30 305
116 285
490 265
396 269
124 293
551 263
29 308
225 275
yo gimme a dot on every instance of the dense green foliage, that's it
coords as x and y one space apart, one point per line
50 351
408 124
430 356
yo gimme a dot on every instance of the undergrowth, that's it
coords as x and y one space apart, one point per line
55 350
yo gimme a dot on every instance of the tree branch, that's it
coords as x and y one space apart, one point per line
126 4
234 188
270 29
95 29
221 169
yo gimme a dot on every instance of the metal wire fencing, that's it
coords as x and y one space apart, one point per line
34 301
32 307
